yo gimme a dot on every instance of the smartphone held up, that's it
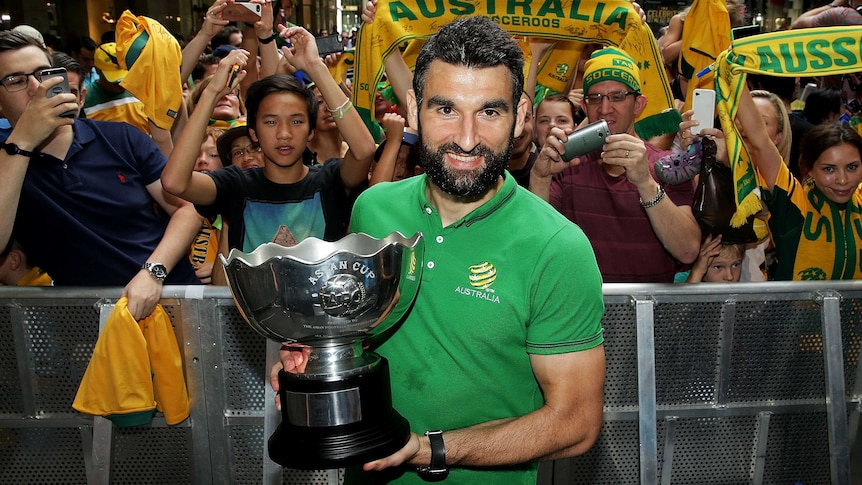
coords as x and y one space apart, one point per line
62 87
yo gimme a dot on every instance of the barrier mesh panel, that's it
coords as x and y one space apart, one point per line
711 450
783 364
41 456
798 450
621 356
244 362
11 401
152 455
246 454
61 340
686 346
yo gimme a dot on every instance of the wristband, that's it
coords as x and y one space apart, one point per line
268 39
409 138
12 149
655 200
437 471
338 112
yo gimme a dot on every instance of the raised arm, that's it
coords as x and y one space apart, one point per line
384 169
763 152
179 177
213 23
39 122
397 71
358 159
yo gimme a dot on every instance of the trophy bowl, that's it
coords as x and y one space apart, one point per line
326 299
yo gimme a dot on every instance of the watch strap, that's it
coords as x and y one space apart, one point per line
437 470
13 149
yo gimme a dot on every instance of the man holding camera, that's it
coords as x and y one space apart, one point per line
81 193
639 228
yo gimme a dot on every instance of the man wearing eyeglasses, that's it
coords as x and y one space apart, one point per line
640 228
81 193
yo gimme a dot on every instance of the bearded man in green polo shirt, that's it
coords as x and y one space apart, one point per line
500 363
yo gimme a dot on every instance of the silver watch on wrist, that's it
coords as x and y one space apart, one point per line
156 270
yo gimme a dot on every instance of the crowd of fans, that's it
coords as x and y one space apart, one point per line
268 147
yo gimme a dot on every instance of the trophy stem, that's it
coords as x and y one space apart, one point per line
336 360
337 423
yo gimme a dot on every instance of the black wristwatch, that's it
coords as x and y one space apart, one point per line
268 39
438 470
12 149
157 271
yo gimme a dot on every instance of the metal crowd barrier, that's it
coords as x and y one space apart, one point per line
754 383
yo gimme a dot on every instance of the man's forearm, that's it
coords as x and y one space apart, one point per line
182 228
13 168
674 226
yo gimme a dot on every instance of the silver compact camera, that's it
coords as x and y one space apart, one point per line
588 139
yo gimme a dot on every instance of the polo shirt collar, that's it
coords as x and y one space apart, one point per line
83 134
503 195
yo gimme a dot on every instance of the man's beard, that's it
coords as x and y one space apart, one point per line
467 184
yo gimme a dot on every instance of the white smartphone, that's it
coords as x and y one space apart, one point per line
703 105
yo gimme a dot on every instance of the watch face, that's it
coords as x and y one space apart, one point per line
157 270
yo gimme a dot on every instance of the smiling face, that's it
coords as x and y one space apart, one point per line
837 173
227 107
466 125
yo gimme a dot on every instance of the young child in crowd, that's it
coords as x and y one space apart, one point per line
287 200
556 110
716 263
16 271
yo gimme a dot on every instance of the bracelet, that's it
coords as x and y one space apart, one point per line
268 39
339 112
655 200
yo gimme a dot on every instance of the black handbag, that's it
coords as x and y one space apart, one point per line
715 203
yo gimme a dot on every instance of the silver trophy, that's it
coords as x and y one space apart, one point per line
327 299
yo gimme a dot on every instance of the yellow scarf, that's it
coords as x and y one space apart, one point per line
705 34
790 53
588 21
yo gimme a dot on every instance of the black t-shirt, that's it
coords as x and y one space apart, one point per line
258 210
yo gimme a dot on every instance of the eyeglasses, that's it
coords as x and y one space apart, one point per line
18 82
615 97
242 152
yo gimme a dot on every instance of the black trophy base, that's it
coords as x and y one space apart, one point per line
308 441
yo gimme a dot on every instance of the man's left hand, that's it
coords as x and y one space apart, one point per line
404 455
143 293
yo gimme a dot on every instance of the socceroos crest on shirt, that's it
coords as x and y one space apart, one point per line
481 276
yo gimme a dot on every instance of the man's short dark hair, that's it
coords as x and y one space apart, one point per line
278 83
11 40
223 36
471 42
61 59
79 43
200 68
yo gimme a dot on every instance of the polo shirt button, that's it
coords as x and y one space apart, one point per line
439 239
430 264
428 210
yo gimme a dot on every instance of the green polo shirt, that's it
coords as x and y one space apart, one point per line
512 278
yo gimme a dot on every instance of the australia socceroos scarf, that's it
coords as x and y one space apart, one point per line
606 22
790 53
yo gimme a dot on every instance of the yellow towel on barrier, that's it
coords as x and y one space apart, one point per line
589 21
135 369
793 53
153 58
705 35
